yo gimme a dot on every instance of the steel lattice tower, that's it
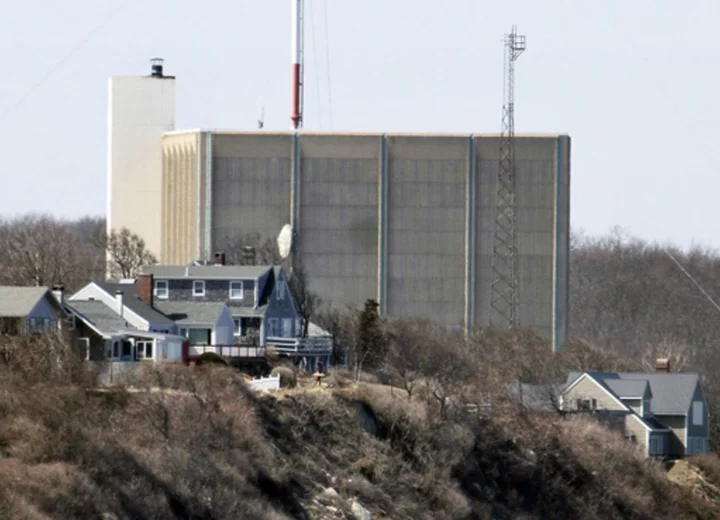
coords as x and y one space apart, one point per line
504 289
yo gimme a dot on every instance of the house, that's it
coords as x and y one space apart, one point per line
107 336
25 310
131 301
665 413
262 307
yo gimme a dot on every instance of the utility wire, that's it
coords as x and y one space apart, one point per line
60 63
327 64
315 63
700 288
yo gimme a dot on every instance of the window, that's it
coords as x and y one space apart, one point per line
281 290
238 326
32 323
47 323
161 289
272 327
236 290
287 324
199 336
184 332
697 413
199 288
586 405
84 344
143 350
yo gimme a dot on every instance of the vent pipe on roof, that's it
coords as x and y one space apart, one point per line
156 67
120 303
662 365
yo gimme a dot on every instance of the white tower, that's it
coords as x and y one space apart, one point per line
140 110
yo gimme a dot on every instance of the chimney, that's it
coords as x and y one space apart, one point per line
120 302
145 288
248 255
219 258
662 365
59 293
156 67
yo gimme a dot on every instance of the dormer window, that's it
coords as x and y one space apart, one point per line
161 289
236 290
199 288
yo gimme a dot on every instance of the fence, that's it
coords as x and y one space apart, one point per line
263 384
229 351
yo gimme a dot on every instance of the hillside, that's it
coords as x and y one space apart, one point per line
209 450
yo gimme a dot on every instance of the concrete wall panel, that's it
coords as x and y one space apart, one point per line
427 179
338 215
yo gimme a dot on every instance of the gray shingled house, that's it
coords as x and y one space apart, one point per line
26 310
665 413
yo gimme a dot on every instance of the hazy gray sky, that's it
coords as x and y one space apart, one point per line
631 81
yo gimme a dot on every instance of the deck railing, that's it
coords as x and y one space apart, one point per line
228 351
301 345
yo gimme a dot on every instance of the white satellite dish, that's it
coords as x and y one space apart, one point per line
284 240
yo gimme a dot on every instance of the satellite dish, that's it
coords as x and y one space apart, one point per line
284 240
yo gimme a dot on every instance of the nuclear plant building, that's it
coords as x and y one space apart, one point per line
406 219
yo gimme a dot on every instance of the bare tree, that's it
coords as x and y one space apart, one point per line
40 250
126 252
306 300
264 250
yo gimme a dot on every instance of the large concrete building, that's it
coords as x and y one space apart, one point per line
405 219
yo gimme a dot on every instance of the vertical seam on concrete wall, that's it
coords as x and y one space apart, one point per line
558 226
208 193
198 209
470 240
382 245
295 210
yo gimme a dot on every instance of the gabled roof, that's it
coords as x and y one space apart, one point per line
672 392
633 389
99 316
135 304
18 302
207 272
192 313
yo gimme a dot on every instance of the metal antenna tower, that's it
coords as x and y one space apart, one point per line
504 289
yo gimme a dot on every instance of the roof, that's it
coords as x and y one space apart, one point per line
540 397
100 316
18 302
248 312
672 391
135 304
218 272
192 313
627 388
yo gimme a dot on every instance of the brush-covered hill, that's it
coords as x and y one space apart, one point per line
195 444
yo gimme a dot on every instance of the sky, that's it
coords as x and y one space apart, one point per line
632 83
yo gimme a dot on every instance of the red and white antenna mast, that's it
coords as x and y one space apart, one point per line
298 56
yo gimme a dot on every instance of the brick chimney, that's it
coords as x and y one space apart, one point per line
145 288
662 365
248 255
219 258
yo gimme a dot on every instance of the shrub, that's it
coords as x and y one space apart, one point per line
208 358
288 379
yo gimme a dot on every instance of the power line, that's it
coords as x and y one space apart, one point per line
696 283
327 64
60 63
